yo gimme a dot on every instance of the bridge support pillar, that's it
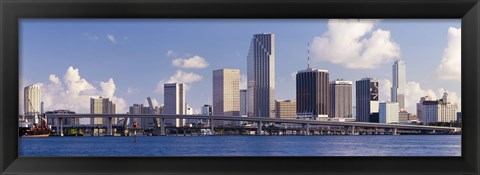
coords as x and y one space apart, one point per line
162 127
394 131
211 127
353 130
306 129
61 126
259 128
110 128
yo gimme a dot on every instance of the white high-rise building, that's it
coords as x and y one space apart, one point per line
398 83
388 112
32 101
340 99
102 106
261 76
174 99
226 92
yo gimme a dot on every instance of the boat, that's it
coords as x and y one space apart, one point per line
36 131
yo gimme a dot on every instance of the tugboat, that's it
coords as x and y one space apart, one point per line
36 130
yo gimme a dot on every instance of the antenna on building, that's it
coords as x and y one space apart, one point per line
308 55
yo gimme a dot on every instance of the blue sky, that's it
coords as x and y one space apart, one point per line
127 60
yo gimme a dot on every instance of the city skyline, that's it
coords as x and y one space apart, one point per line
192 68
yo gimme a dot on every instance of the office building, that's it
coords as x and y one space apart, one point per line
286 109
313 94
459 117
174 99
206 110
32 100
261 76
388 112
398 83
403 116
102 106
66 121
367 100
340 99
243 102
440 110
226 93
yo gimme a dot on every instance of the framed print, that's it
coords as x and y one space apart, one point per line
202 87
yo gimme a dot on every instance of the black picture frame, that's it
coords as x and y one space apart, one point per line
12 10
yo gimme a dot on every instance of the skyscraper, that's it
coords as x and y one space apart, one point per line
102 106
398 83
313 94
340 99
174 99
367 100
226 93
32 99
261 76
138 109
243 102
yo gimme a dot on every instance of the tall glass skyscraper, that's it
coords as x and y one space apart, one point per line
174 99
313 94
367 100
261 76
399 83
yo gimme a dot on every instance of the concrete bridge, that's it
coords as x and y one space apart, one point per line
260 121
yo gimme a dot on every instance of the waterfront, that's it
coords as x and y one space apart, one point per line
365 145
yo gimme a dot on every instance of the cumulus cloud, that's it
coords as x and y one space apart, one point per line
74 92
111 38
449 68
243 81
192 62
170 53
413 93
179 77
354 44
293 75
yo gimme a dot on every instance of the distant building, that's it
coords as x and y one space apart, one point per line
32 99
226 93
261 76
143 123
388 112
340 99
243 102
412 117
440 110
403 116
286 109
174 99
398 83
66 121
367 100
102 106
459 117
206 110
313 94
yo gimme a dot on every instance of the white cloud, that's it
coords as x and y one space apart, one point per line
74 93
91 36
450 67
111 38
243 81
170 53
131 91
413 93
347 43
192 62
179 77
294 76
